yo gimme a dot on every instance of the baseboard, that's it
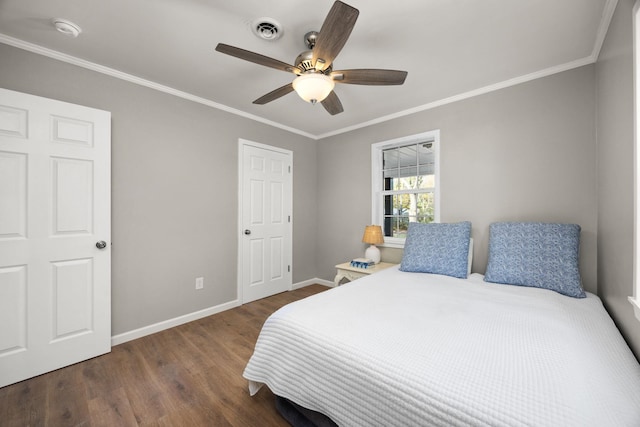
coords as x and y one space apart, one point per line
315 281
177 321
170 323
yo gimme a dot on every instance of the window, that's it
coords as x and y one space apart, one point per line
405 182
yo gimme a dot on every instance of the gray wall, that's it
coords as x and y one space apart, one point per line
174 189
523 153
615 173
526 153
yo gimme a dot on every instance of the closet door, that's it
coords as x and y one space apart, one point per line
266 206
55 260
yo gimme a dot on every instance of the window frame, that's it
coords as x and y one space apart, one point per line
635 298
377 203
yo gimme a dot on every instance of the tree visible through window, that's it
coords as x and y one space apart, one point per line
408 187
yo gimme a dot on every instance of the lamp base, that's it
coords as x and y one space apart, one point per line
373 253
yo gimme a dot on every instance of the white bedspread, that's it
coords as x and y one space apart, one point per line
412 349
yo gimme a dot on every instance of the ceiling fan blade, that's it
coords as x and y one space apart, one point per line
332 104
334 33
369 77
256 58
274 94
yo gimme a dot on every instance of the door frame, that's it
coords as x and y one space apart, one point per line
240 267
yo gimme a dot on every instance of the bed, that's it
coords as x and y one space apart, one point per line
410 348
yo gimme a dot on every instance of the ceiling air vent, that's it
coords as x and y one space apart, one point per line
66 27
267 29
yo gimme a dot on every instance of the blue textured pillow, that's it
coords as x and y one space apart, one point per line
535 254
437 248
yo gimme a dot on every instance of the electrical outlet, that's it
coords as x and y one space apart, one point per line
199 282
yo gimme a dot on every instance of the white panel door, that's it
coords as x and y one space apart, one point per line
55 281
266 205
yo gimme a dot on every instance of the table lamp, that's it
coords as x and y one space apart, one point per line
373 236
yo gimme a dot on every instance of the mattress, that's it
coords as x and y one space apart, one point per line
411 349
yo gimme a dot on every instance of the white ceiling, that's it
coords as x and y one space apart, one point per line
451 49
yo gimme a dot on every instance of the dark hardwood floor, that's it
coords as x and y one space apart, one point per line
190 375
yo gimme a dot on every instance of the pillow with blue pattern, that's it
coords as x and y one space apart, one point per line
437 248
535 254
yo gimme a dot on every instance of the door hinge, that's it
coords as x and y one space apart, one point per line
288 269
289 169
289 218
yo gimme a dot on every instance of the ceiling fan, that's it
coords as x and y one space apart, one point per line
314 68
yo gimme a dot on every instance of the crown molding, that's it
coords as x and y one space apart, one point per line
603 27
40 50
466 95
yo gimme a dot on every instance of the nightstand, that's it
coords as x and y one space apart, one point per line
346 271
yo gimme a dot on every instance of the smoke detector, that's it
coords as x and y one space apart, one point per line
67 27
267 29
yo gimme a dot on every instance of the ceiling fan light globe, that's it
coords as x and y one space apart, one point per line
313 87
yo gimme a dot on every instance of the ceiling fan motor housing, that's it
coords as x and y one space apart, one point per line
304 62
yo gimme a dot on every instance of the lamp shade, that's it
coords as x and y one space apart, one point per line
373 235
313 87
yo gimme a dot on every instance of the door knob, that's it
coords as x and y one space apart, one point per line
101 244
247 232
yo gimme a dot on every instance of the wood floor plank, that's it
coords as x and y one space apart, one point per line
190 375
145 395
99 376
25 403
111 409
67 403
233 401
